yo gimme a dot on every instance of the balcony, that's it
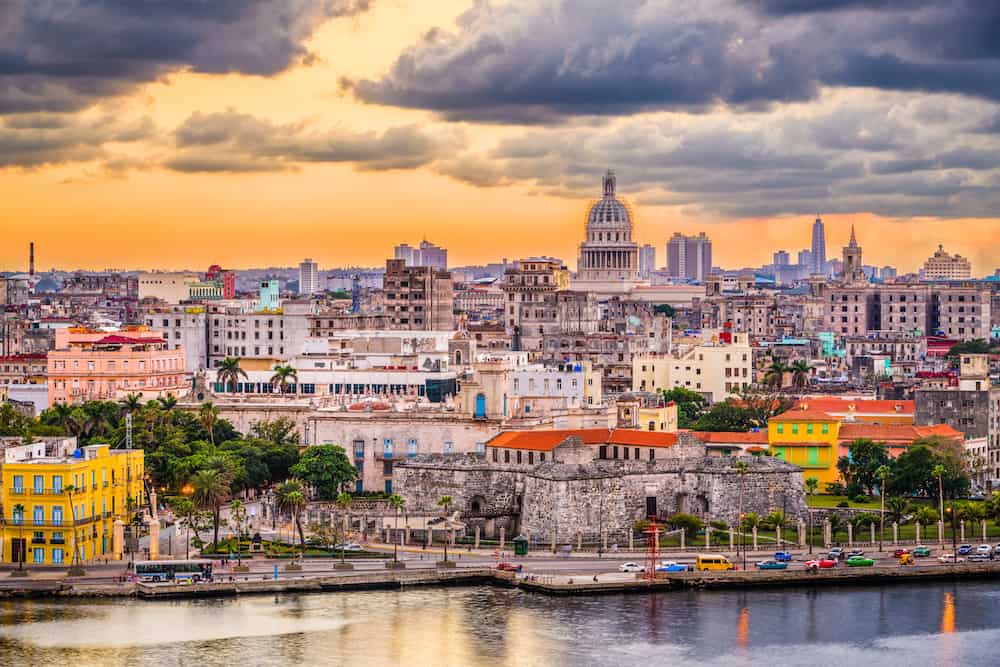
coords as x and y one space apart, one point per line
38 540
57 540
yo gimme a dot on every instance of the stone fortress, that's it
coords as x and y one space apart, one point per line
584 484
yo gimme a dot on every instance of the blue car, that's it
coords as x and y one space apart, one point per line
671 566
782 556
965 549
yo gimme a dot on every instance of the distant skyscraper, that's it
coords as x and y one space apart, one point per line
781 258
689 256
647 260
805 259
819 247
308 277
427 254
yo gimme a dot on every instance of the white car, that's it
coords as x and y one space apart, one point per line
984 549
348 546
950 558
631 567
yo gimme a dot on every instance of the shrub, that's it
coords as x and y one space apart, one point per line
689 523
718 524
843 503
835 488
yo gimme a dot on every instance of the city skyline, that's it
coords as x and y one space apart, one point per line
331 138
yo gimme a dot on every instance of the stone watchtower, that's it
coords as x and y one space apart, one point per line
628 411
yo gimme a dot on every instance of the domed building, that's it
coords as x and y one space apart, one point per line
609 257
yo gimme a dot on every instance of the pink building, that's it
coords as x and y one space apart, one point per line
96 365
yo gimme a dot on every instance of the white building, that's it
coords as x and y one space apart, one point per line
943 266
169 287
308 277
714 369
608 263
647 261
426 254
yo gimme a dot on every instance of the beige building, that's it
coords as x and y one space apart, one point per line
717 371
418 298
529 290
169 287
943 266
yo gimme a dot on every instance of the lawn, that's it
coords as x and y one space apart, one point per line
827 501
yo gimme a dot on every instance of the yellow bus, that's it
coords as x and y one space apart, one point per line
712 562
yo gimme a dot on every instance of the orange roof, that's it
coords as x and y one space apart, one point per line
799 444
720 437
800 415
863 406
896 433
546 441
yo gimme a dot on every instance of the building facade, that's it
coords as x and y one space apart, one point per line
308 277
689 256
419 297
943 266
609 256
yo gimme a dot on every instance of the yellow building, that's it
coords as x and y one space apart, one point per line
46 485
808 439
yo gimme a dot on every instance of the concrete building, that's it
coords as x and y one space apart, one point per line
43 523
817 253
781 258
689 256
269 296
716 370
227 279
608 262
529 289
647 261
96 365
419 298
308 277
426 254
943 266
169 287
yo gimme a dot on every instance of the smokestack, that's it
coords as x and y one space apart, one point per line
31 259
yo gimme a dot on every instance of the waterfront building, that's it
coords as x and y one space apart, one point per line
689 256
809 439
56 498
943 266
92 365
308 277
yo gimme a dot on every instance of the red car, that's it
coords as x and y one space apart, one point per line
821 563
898 553
509 567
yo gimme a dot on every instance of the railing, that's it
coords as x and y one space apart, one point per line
25 491
38 540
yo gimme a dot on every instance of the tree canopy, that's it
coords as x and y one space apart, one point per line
326 469
690 405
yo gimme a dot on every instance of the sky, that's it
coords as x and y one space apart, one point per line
181 133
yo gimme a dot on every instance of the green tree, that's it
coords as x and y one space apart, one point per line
895 508
344 502
977 346
800 371
208 415
690 405
728 416
283 376
862 466
689 523
664 309
131 403
291 498
228 373
188 516
836 525
812 484
776 519
12 422
925 515
396 502
211 490
445 502
750 521
280 431
761 406
939 471
992 506
774 376
326 469
168 402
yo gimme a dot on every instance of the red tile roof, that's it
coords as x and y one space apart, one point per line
896 433
723 438
126 340
800 415
546 441
863 406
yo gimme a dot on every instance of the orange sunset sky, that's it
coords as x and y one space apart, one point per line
341 152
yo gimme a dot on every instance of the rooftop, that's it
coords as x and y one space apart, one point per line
548 440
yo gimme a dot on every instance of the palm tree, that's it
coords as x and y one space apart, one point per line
445 502
344 502
291 497
396 502
812 484
836 524
883 474
800 373
61 413
897 508
132 403
939 471
208 415
168 402
281 377
741 468
18 510
238 515
775 374
187 513
229 373
211 489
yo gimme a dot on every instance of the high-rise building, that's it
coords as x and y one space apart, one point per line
943 266
426 254
647 260
308 277
781 258
805 258
689 256
818 247
418 297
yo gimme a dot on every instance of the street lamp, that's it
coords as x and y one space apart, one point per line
954 536
883 473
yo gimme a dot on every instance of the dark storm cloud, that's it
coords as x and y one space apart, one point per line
43 139
230 141
63 55
538 62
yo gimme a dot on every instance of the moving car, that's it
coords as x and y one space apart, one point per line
772 565
631 567
836 553
906 559
978 558
671 566
782 556
713 562
509 567
860 561
921 551
950 558
984 549
855 552
965 549
899 553
348 546
821 563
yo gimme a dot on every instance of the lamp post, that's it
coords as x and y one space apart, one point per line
810 515
883 473
954 536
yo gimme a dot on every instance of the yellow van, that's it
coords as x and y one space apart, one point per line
712 562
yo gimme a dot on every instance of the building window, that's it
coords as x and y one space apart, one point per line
496 456
57 556
506 456
359 449
795 428
38 555
387 448
519 457
813 456
825 429
411 448
809 428
386 467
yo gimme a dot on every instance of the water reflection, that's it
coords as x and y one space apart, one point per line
919 625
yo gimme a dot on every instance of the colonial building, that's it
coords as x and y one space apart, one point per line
942 266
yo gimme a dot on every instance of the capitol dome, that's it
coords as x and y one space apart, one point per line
609 218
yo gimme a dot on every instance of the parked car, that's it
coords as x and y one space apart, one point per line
348 546
823 563
510 567
631 567
984 549
772 565
837 553
860 561
978 558
921 551
965 549
950 558
782 556
671 566
899 553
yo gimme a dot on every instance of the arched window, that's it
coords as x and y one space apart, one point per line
458 357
